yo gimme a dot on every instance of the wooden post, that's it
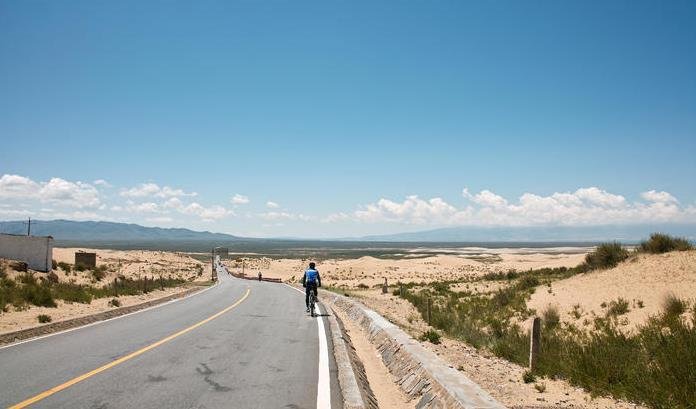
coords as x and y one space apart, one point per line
534 343
161 283
385 287
429 307
115 286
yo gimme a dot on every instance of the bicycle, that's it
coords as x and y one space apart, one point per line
312 301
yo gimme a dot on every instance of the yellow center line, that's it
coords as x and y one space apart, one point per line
55 389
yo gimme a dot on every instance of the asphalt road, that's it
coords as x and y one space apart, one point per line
239 344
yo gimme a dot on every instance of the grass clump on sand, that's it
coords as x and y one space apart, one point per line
606 255
43 318
431 336
659 243
654 365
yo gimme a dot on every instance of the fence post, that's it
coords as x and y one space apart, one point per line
385 287
161 283
115 286
429 307
534 343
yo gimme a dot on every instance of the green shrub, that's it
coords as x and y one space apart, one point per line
540 387
54 264
662 243
673 306
551 317
80 267
65 266
431 336
606 255
363 286
528 377
618 307
114 302
43 318
99 273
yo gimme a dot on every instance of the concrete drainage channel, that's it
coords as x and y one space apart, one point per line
419 373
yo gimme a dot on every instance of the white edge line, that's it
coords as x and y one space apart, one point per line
323 384
108 319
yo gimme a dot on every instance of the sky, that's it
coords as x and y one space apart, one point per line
339 119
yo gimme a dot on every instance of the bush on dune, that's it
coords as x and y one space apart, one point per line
606 255
659 243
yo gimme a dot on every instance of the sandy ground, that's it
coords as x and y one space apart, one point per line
131 264
647 278
137 263
18 320
371 271
502 379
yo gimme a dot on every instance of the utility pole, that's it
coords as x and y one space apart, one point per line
29 227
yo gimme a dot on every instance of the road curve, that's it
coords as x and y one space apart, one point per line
239 344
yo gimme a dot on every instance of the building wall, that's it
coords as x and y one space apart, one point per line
36 251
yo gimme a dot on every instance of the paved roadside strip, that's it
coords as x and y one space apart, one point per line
420 373
8 338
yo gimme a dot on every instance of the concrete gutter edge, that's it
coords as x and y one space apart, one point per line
420 373
351 392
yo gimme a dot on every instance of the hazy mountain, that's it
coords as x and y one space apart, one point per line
85 231
624 233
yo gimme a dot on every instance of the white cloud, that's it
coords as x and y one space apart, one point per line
207 214
488 198
17 187
272 205
148 207
239 199
285 216
102 183
154 190
413 210
658 197
585 206
74 194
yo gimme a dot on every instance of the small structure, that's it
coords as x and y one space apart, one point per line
35 251
86 260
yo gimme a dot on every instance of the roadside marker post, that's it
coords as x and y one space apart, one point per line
534 343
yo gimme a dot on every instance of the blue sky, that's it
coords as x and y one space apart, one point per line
342 112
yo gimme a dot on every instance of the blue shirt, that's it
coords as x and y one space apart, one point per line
311 276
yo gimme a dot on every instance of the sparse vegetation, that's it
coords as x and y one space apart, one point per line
43 318
606 255
662 243
540 387
674 306
65 267
431 336
618 307
551 317
528 376
654 365
27 290
114 302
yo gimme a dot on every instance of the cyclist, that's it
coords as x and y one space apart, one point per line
311 280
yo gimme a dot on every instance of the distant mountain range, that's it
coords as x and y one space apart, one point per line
67 232
108 231
623 233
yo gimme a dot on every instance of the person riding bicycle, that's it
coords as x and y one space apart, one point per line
311 280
